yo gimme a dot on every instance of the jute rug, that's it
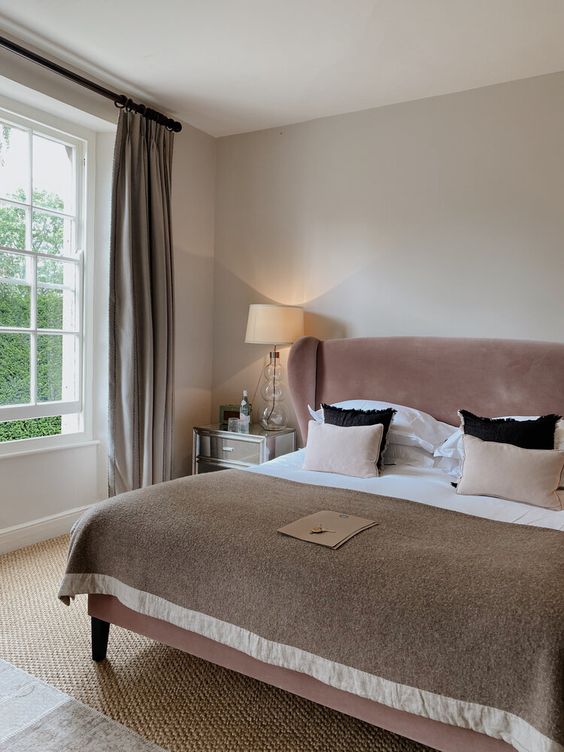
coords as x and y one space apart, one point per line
179 702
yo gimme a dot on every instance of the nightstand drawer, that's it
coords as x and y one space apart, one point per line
217 449
230 450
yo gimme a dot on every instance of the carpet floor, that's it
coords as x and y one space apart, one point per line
179 702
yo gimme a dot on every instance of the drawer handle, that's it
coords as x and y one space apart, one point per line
227 449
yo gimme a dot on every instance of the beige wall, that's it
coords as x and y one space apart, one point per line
443 216
193 193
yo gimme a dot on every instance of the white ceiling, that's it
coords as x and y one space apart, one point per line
229 66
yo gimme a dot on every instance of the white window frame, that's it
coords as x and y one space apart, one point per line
83 141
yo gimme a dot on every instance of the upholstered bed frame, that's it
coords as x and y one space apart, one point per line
438 375
507 377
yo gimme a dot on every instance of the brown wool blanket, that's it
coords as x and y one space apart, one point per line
436 612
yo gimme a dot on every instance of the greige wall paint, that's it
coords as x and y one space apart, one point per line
443 216
193 209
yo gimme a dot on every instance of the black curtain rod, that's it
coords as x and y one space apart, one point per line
120 100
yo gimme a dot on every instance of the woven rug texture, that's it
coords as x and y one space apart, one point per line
181 703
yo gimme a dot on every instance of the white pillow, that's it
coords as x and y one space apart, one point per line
409 427
448 465
398 454
353 450
317 415
449 456
451 453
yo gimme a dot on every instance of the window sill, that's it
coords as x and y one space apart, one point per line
11 452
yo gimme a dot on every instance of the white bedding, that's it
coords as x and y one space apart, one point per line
425 485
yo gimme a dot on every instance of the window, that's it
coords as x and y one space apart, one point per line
42 231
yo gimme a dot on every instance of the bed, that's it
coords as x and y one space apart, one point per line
390 628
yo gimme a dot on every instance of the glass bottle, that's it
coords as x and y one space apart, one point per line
245 413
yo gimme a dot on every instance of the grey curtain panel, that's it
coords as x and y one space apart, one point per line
141 307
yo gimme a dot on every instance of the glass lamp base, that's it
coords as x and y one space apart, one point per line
273 418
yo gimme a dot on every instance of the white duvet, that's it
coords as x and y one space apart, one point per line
424 485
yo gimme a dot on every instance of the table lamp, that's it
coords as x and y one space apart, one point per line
274 325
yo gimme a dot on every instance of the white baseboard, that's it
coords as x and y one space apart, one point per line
38 530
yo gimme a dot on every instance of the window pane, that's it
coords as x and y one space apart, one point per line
15 305
53 174
12 430
57 367
52 234
57 283
14 369
15 296
12 226
14 163
13 266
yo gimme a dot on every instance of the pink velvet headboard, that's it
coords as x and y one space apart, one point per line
438 375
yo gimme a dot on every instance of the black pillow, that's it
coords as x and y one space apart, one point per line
528 434
340 416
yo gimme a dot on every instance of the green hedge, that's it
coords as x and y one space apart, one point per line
30 429
15 308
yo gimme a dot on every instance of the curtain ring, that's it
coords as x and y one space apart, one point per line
121 101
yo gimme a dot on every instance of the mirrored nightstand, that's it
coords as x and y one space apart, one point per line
215 449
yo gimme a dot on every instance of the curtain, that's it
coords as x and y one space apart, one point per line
141 307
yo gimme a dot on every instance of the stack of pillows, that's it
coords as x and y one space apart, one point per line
406 435
519 458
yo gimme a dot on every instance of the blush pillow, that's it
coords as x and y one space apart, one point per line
491 468
348 451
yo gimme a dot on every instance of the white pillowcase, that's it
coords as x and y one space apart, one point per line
450 455
449 465
398 454
409 427
350 450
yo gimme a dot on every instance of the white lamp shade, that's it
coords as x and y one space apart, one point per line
274 324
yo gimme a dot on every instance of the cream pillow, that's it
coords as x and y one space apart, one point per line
351 450
450 454
510 472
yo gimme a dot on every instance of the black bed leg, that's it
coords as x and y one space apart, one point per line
100 634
